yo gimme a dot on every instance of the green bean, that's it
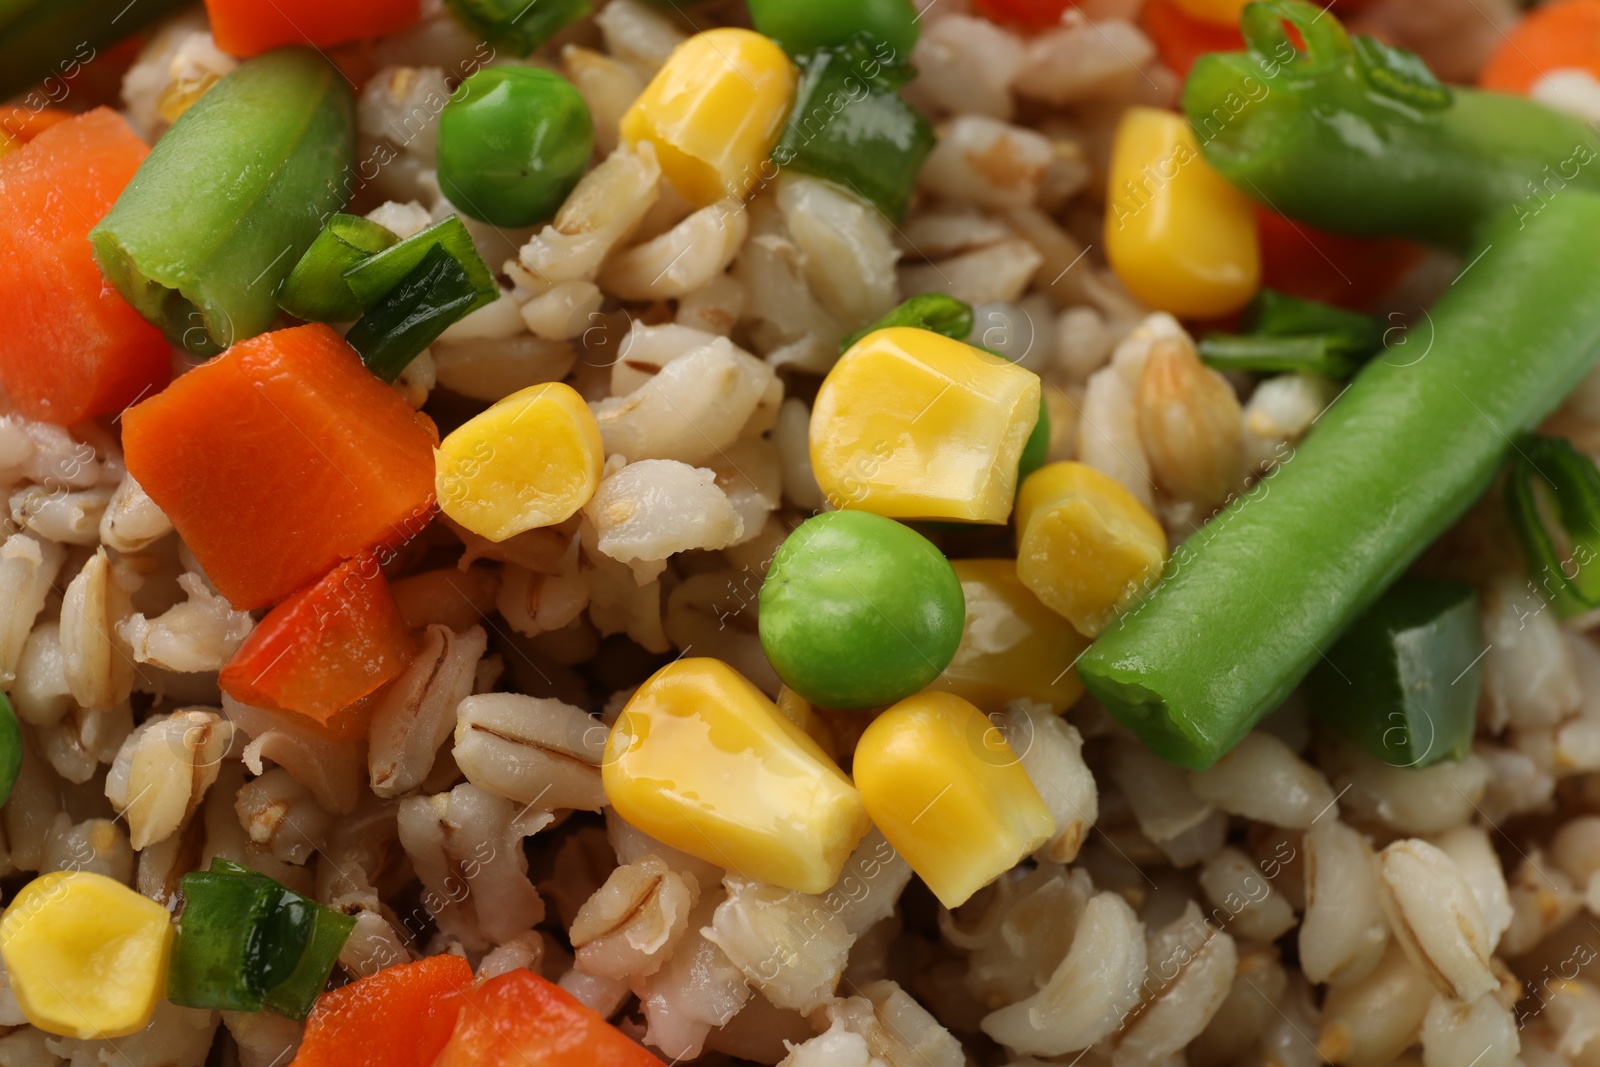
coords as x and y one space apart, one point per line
1249 602
230 199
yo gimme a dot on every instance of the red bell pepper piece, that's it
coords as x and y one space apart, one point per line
1351 272
1180 38
325 647
250 27
281 458
400 1017
522 1020
1033 14
71 348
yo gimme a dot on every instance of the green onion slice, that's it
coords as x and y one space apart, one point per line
10 749
1553 495
412 315
1321 354
374 277
316 290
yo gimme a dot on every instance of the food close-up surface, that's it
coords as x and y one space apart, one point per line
801 533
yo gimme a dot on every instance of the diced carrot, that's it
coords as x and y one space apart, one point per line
399 1017
1352 272
325 647
1180 38
23 124
1561 36
70 347
250 27
522 1020
281 458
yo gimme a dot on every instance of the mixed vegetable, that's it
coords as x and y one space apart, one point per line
296 473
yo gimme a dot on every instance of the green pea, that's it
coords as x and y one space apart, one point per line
806 25
859 610
10 749
513 141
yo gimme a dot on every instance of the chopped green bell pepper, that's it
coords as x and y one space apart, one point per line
246 943
1403 681
851 126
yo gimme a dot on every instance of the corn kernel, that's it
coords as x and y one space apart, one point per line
1085 546
714 113
532 460
701 760
1178 235
941 782
912 425
86 955
1216 12
1012 645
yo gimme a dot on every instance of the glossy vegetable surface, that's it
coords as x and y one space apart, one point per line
316 289
84 954
519 1019
71 347
851 126
246 943
230 198
714 112
1403 680
513 141
703 761
913 425
1180 237
949 793
858 610
437 293
402 1016
806 27
1437 163
325 647
280 459
1413 442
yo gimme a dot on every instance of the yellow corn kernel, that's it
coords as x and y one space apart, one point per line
1178 235
1085 546
912 425
701 760
940 781
86 955
1216 12
531 460
714 113
1013 646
